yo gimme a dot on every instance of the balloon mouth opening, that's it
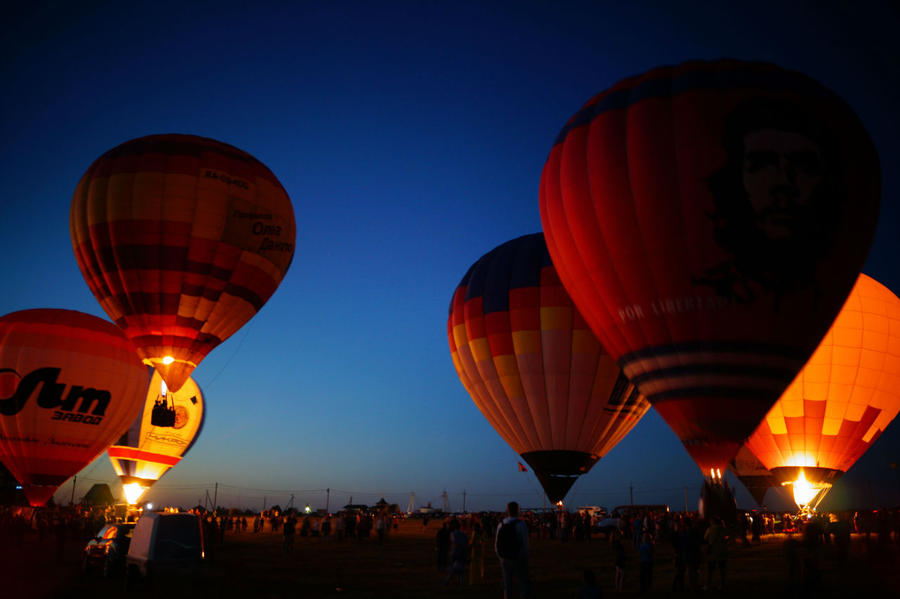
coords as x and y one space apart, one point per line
166 361
808 484
133 492
174 370
38 494
557 470
808 494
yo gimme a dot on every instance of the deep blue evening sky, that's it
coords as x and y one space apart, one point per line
410 137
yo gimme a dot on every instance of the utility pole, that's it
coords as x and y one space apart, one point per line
445 502
464 501
216 498
630 493
72 500
290 503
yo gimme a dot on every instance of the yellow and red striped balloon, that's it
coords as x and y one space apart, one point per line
70 385
164 431
182 239
844 397
533 367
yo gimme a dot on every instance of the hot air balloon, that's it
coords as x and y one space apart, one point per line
182 239
751 472
841 401
160 436
70 385
709 220
533 367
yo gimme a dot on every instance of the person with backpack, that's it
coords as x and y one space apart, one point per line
511 546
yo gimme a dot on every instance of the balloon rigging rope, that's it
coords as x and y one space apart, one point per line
233 354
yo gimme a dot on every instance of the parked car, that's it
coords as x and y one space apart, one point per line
164 544
623 510
107 550
606 527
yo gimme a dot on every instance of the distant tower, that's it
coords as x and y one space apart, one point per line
411 506
445 502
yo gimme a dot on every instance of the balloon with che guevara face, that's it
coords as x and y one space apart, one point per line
181 239
70 384
708 220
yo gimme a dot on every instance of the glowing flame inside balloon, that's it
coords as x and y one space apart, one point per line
133 492
804 491
807 494
168 360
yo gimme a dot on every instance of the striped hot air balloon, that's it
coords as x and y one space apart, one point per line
182 239
842 400
166 428
70 385
708 220
534 369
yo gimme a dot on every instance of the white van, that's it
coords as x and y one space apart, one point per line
164 543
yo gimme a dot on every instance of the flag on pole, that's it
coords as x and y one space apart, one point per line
522 468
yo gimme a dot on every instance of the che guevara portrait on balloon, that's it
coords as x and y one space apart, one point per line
777 201
709 220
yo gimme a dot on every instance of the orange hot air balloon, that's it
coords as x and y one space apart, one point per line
709 220
534 369
160 436
182 239
70 385
844 397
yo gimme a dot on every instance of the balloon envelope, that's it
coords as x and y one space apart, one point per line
844 397
751 472
182 239
164 431
534 369
70 385
709 220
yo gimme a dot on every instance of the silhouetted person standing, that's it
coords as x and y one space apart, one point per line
511 546
459 553
442 541
646 554
289 529
718 551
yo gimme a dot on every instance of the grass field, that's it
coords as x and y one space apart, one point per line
255 566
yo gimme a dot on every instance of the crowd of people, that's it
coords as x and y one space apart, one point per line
699 547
